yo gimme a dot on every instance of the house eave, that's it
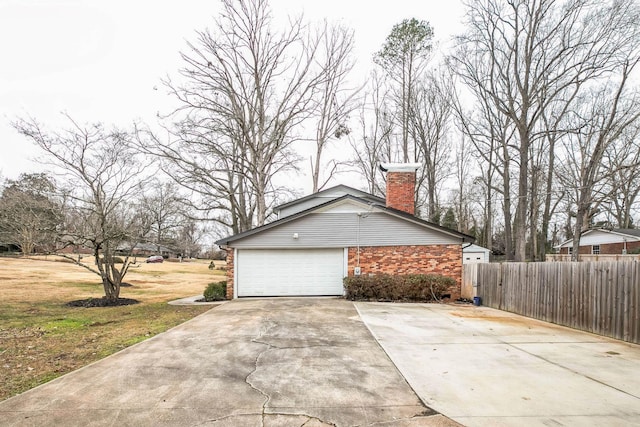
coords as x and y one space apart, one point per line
569 242
464 238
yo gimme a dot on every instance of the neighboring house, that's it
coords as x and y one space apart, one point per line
605 242
146 249
338 232
474 254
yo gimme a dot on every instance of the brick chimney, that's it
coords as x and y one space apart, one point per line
401 185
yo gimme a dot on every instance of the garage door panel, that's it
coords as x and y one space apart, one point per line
296 272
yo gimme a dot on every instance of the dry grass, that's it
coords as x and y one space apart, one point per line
41 338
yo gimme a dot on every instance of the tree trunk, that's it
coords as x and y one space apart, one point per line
575 254
521 206
506 207
546 216
315 166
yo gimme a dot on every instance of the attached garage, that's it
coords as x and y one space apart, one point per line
320 239
290 272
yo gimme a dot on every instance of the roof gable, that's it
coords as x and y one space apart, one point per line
600 236
322 197
342 211
475 248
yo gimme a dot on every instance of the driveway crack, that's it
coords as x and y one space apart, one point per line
268 325
310 418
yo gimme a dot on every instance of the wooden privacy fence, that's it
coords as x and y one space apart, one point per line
598 297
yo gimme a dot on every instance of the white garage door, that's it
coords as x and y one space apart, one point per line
294 272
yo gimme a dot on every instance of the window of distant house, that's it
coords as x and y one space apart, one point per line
570 249
595 249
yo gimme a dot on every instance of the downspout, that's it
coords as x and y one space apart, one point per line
360 215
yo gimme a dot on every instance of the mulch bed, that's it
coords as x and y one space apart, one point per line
101 302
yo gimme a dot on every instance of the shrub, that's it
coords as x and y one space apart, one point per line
387 287
216 291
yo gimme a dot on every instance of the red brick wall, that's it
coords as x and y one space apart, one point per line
606 249
230 252
401 188
616 248
438 259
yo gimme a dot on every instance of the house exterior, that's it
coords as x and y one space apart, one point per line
604 242
474 254
320 239
145 249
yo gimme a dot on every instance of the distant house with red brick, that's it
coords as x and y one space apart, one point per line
321 238
600 241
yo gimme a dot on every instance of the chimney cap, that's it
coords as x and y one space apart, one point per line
399 167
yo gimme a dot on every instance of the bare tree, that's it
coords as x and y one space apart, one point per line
529 55
102 174
376 126
430 120
604 115
335 100
29 212
622 163
188 238
461 207
209 166
490 133
163 206
545 172
245 89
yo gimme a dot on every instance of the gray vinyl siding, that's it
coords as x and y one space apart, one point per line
336 230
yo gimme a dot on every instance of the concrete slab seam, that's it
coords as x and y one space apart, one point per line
424 404
226 417
573 371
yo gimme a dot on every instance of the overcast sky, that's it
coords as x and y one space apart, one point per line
103 60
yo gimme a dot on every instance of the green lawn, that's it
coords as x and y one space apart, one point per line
41 338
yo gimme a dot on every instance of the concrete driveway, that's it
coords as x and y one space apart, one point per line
485 367
269 362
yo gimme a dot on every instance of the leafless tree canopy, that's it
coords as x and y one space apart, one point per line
527 128
101 175
523 60
30 215
336 100
245 89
